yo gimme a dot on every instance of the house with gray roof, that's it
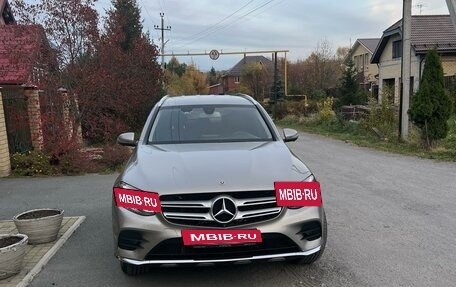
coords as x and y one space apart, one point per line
428 32
231 80
361 54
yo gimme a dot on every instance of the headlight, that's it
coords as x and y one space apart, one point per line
310 178
142 212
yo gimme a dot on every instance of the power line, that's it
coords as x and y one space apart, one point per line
150 17
226 26
216 24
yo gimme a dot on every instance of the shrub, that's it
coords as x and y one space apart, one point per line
114 157
325 109
452 96
382 117
74 162
292 107
31 163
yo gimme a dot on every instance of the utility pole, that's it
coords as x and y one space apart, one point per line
163 29
406 63
451 4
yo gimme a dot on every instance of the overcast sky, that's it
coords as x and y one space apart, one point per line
251 25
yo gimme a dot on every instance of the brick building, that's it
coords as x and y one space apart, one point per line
231 80
23 51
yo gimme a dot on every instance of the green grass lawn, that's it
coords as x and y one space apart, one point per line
444 150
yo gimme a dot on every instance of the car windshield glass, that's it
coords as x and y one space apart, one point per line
208 123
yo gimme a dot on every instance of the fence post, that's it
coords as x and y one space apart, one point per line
34 113
79 131
68 118
5 163
68 124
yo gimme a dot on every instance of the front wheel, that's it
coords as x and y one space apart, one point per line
314 257
131 269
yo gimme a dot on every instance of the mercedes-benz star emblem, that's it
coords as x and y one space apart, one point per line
223 209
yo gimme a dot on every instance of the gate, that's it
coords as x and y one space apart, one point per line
16 119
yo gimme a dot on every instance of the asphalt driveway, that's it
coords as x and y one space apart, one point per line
392 222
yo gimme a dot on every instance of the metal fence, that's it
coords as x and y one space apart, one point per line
16 118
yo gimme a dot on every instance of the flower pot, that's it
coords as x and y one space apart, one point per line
12 251
40 225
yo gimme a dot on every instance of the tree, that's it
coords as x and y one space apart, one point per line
126 14
431 107
71 25
318 73
212 77
191 82
255 78
120 86
114 87
349 90
175 67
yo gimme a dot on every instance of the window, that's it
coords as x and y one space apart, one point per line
209 123
237 79
397 49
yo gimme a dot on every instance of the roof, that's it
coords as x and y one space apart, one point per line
6 15
20 47
369 43
428 31
236 70
206 100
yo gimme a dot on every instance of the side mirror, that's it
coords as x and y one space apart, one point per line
290 135
127 139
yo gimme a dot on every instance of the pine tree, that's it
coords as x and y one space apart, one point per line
431 107
128 16
350 93
212 77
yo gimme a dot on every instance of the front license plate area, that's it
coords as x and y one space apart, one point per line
226 238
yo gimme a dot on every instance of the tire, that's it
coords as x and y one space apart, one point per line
304 260
132 270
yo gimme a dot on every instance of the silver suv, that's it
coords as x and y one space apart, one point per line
211 162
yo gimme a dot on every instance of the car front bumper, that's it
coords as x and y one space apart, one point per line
155 230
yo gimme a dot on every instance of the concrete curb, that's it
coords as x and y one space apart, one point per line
43 261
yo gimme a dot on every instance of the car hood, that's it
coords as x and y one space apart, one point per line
189 168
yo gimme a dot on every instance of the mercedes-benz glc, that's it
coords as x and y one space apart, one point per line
211 164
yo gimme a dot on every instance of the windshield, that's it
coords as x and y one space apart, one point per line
209 123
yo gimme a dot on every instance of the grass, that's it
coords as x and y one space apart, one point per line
443 150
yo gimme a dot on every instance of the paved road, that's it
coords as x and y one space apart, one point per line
392 222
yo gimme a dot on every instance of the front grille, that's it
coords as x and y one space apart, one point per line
195 209
174 249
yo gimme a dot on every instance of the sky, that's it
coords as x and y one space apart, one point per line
200 26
